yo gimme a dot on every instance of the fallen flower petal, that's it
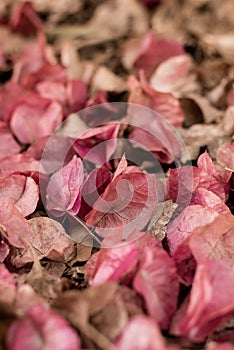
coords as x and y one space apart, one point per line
156 280
30 123
98 144
64 188
171 73
164 103
142 333
115 264
8 145
210 303
127 203
42 327
183 225
225 156
22 163
20 190
152 52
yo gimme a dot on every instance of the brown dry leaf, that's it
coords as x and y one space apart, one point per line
105 80
7 316
54 268
116 17
26 297
70 59
211 72
130 49
83 253
78 307
111 320
209 113
41 281
124 20
227 123
51 240
11 43
58 9
158 225
222 43
132 300
191 111
201 135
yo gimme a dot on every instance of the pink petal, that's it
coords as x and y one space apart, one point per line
17 228
211 301
225 155
64 188
156 280
44 74
171 73
93 186
29 123
20 190
127 203
98 144
115 264
29 60
53 90
142 333
8 145
182 183
206 198
164 103
211 178
25 20
9 96
152 52
42 328
77 95
183 225
18 163
153 133
214 241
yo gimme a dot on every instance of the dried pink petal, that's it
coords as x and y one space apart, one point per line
20 190
64 188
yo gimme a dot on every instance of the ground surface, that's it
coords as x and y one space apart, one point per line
101 248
